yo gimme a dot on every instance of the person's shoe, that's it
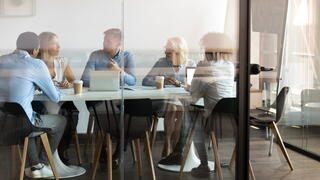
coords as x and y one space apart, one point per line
172 159
39 171
202 171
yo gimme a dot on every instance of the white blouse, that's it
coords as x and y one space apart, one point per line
60 65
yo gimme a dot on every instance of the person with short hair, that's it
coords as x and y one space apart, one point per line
212 81
111 57
20 75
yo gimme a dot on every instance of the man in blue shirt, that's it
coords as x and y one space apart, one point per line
111 57
20 75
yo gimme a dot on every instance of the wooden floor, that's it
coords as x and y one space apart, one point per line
265 167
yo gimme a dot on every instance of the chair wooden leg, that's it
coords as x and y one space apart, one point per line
134 152
216 155
275 130
233 158
24 157
137 144
251 171
154 132
96 159
149 155
109 154
77 146
45 141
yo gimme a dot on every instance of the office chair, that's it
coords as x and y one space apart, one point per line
141 108
262 118
16 128
226 107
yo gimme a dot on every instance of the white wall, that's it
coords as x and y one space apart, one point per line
147 23
78 23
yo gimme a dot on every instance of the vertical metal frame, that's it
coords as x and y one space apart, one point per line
242 159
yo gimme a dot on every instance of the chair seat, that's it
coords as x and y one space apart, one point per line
263 118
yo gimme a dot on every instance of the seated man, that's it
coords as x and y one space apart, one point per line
111 57
213 80
20 75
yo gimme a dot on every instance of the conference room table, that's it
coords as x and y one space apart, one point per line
136 92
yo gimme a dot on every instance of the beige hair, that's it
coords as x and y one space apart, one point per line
219 44
45 38
180 46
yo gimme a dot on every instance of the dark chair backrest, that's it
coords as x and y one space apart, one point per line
225 106
14 124
138 107
141 108
280 102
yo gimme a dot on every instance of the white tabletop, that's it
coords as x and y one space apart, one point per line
139 92
312 105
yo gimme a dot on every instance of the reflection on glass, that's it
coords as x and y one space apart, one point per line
111 80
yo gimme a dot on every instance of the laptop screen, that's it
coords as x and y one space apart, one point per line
189 74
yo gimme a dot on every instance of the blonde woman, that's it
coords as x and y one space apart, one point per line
59 67
62 77
172 67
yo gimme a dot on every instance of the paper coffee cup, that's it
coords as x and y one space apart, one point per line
159 82
77 86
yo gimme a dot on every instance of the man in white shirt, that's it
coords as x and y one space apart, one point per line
212 81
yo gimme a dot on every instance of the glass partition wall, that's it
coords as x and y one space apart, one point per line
300 124
268 96
161 85
183 46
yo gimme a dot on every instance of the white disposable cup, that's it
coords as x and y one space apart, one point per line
77 86
159 82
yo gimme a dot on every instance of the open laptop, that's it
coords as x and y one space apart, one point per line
189 74
104 81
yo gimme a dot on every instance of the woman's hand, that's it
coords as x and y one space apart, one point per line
173 81
65 84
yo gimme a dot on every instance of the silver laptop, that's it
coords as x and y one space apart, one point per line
104 81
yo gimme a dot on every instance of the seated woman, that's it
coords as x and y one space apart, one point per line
62 77
172 67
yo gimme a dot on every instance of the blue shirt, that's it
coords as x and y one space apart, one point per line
163 67
20 74
99 60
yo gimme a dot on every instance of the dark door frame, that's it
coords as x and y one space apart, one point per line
242 159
